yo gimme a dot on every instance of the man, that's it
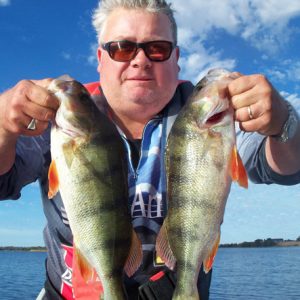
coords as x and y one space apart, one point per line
138 67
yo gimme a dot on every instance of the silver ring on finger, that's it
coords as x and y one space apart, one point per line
32 125
250 114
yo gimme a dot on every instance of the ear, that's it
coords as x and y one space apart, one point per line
99 54
177 57
177 53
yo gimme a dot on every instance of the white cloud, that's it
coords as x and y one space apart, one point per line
294 71
195 65
265 24
276 75
272 11
294 99
4 2
92 58
66 55
288 71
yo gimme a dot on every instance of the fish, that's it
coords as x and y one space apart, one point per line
201 163
89 169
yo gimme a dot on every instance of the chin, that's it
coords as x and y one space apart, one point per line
142 95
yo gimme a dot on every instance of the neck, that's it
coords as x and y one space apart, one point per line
132 128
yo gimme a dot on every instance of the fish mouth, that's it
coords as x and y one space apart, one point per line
218 112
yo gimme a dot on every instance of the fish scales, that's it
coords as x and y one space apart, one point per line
90 161
198 158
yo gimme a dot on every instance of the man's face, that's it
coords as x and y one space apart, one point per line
140 88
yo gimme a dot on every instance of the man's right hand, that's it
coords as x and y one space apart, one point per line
27 100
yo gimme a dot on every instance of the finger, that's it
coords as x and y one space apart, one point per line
247 113
245 83
254 125
39 126
39 112
244 99
235 75
18 124
40 95
260 124
44 83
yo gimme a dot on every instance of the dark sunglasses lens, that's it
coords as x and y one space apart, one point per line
122 51
159 51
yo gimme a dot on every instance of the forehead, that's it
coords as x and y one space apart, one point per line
137 25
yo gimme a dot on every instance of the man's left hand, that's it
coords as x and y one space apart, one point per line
258 106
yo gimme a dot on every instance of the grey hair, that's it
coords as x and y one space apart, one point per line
105 7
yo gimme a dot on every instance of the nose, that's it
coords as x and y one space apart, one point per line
141 60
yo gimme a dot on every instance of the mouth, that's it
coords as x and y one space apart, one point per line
217 113
140 78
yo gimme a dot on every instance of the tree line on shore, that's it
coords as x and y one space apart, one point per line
259 243
14 248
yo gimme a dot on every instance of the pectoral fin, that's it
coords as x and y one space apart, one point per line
237 170
53 180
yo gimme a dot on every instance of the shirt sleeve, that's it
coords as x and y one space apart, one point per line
251 147
31 163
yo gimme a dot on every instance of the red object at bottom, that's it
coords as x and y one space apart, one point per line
157 276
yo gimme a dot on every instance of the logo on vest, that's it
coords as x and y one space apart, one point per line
147 202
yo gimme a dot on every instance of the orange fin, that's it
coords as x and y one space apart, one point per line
163 248
209 260
135 255
53 180
237 170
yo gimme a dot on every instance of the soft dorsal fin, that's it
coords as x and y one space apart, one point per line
163 248
135 255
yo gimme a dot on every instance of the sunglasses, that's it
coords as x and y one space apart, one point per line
125 51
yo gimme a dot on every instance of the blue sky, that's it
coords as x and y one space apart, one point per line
49 38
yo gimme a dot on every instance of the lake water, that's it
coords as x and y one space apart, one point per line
22 274
257 273
239 274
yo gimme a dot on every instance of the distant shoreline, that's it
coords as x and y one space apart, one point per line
255 244
263 243
28 249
